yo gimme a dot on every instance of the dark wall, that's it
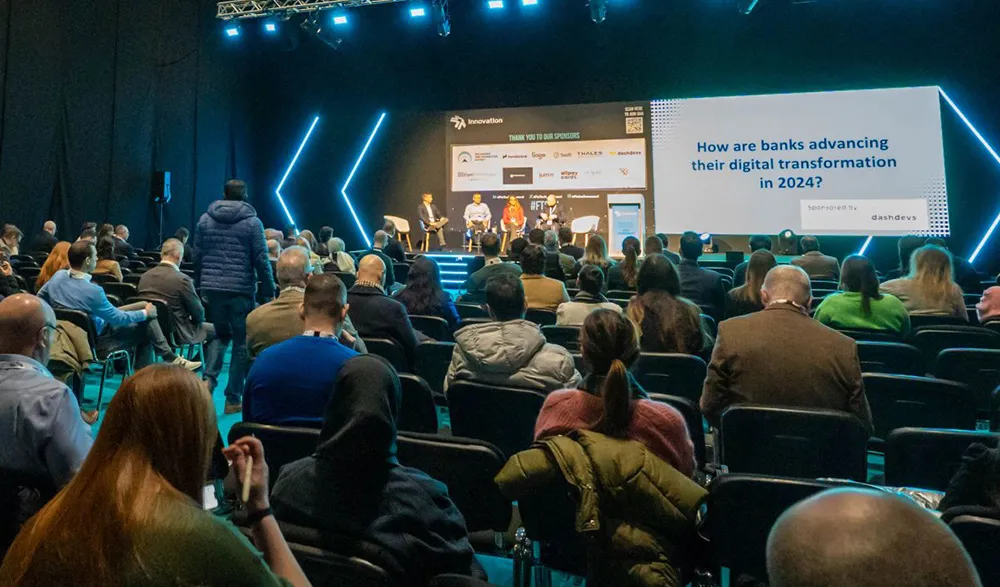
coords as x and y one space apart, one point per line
96 95
553 54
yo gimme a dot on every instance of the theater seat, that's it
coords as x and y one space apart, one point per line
671 374
503 416
932 340
417 412
389 350
282 444
890 357
905 401
977 368
928 457
980 536
693 419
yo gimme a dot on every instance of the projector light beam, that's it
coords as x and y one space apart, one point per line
281 184
343 190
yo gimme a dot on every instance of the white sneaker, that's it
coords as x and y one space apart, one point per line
189 365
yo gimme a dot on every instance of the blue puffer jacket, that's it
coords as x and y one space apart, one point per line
230 245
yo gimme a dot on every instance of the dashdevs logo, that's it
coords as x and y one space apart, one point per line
461 123
893 217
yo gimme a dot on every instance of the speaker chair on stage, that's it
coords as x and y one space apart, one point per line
509 236
584 225
402 229
473 236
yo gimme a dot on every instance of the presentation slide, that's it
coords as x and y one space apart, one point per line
845 163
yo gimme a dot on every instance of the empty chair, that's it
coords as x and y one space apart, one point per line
671 374
864 334
540 317
793 442
928 457
503 416
133 278
902 401
567 337
433 326
693 419
104 278
417 412
282 444
84 321
924 320
471 311
980 537
932 340
890 357
977 368
389 350
431 361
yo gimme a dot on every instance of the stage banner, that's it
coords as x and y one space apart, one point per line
578 153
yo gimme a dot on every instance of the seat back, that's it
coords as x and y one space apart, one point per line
103 278
620 294
433 326
83 321
417 412
333 560
710 325
828 284
164 316
467 467
389 350
921 321
432 361
400 271
122 290
402 224
20 495
868 334
928 457
901 401
980 537
932 340
503 416
793 442
282 444
584 224
472 311
693 419
567 337
671 374
890 357
540 317
977 368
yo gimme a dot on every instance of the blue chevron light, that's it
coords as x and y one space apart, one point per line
281 184
864 247
343 190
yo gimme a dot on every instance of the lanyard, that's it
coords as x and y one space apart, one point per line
792 303
319 334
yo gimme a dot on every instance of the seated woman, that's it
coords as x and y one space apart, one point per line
861 305
354 486
341 258
622 276
667 322
107 263
930 288
610 347
56 261
745 299
597 254
133 513
423 294
590 298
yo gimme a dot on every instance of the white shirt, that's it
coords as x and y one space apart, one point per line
430 212
478 213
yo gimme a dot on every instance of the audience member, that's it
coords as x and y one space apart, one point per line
393 248
134 515
288 238
556 262
702 286
284 386
166 282
988 308
814 263
354 486
667 323
106 230
536 236
611 401
780 356
274 234
8 281
340 257
184 235
88 235
665 241
596 254
45 239
653 246
861 305
122 247
374 313
56 261
310 238
273 252
758 242
511 350
745 299
279 319
623 275
232 258
590 298
490 245
378 243
517 247
89 225
906 246
865 538
305 243
423 294
541 292
106 263
966 275
566 245
929 288
325 234
11 238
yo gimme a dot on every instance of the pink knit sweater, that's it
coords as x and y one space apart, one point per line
989 307
657 426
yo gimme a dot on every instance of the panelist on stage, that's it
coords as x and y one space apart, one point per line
477 218
551 217
431 219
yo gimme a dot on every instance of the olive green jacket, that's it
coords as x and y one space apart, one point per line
636 512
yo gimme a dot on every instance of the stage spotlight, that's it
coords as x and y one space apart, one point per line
339 20
232 30
326 35
442 19
746 6
598 10
270 27
418 12
529 2
495 4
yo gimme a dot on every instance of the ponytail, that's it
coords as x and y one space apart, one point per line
617 402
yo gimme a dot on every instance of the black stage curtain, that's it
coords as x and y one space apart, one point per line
95 95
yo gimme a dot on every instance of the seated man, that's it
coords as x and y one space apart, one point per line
477 218
279 319
865 538
117 328
757 242
816 264
166 282
379 242
554 258
664 243
122 247
781 356
46 239
431 218
476 283
566 245
375 314
542 292
393 248
701 286
510 351
292 381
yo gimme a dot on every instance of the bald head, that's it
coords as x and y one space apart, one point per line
380 239
49 227
864 538
293 267
787 282
371 268
23 321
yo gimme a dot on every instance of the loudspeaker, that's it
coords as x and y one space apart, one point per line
161 187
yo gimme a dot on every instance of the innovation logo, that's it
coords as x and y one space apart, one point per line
465 157
458 121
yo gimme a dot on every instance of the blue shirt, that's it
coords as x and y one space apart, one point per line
41 431
76 292
293 380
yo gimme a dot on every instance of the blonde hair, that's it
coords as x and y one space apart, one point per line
932 275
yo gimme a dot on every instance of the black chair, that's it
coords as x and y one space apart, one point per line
503 416
282 444
567 337
671 374
401 271
540 317
23 261
709 324
433 326
106 360
793 442
20 493
738 540
977 368
30 274
471 311
103 278
417 412
471 321
620 294
693 419
928 457
431 361
871 335
332 560
890 357
827 284
993 325
922 321
121 290
995 410
902 401
347 278
932 340
389 350
980 537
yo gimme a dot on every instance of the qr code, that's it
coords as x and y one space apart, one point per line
633 125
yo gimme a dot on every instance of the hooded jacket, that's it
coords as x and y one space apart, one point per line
513 354
635 513
231 251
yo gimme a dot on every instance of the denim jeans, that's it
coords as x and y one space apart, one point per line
229 315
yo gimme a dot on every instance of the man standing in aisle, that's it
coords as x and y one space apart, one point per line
477 218
231 256
431 218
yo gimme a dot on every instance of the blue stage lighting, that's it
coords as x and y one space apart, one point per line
277 191
529 2
270 27
340 19
493 4
232 30
418 12
864 247
350 176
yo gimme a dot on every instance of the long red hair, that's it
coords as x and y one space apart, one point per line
57 260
